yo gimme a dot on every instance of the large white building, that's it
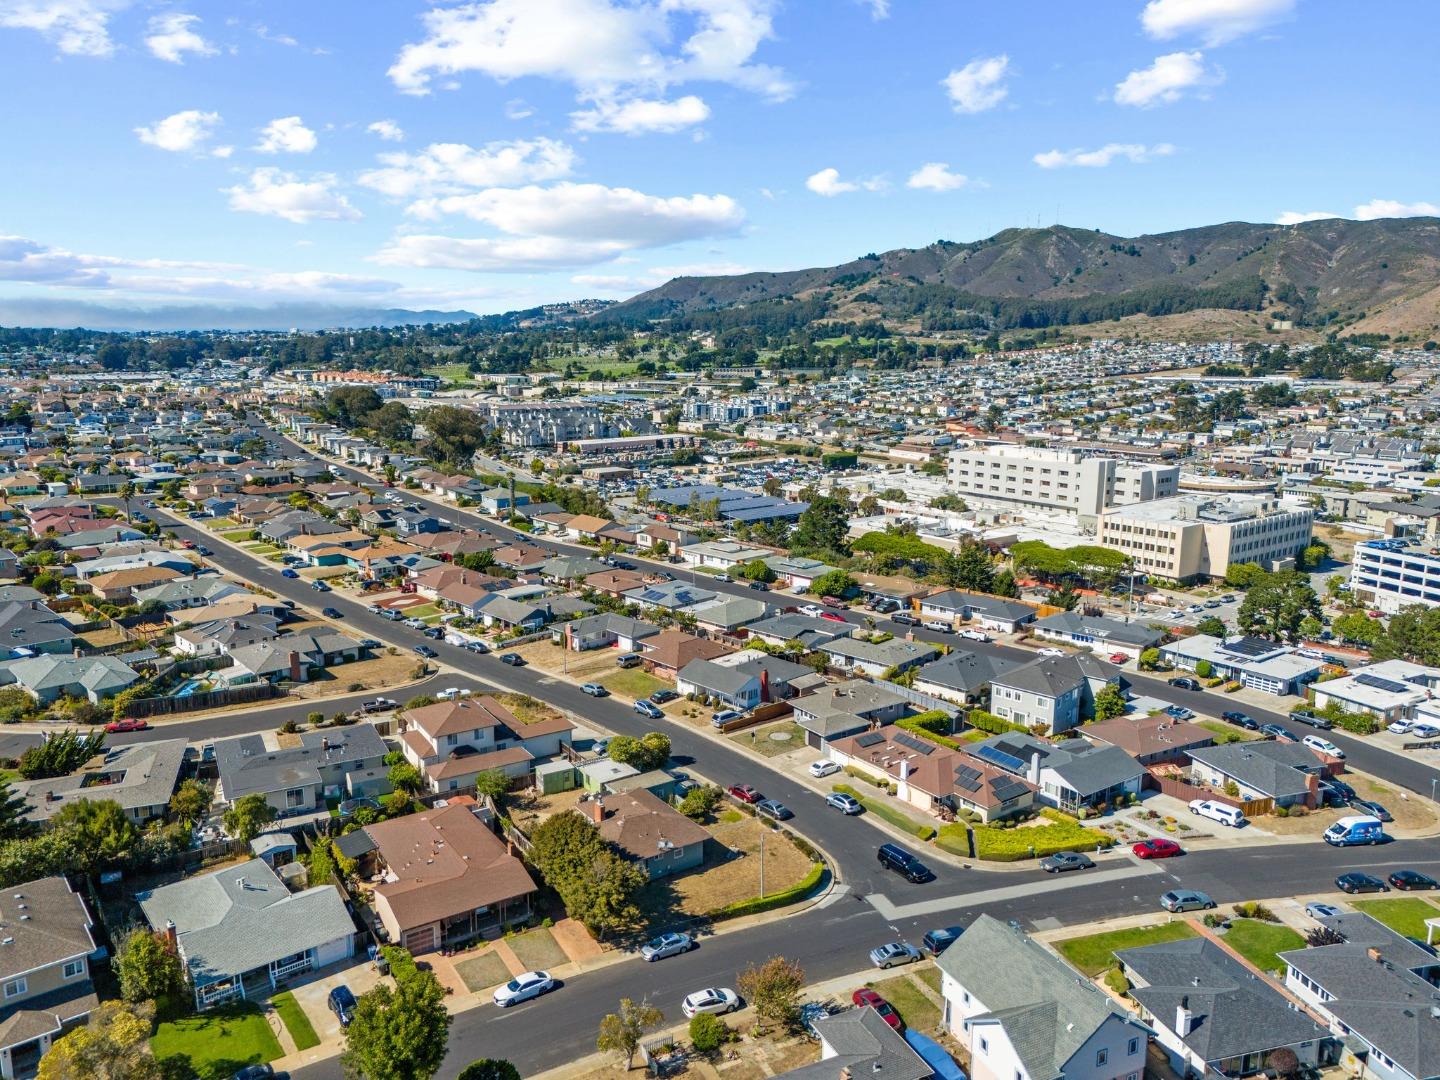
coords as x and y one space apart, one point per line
1200 536
1390 574
1056 480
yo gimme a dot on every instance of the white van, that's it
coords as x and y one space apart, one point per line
1218 811
1356 829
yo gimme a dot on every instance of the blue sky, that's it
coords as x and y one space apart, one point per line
500 153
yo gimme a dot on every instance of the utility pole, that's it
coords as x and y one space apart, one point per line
763 831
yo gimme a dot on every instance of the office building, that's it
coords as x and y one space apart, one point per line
1200 536
1391 574
1056 480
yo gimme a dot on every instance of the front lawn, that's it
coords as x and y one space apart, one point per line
762 741
1227 733
632 683
217 1044
295 1020
537 950
914 1007
1405 915
885 812
1259 942
1095 953
483 971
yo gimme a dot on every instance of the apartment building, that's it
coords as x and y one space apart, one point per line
546 423
1199 536
1056 480
1391 574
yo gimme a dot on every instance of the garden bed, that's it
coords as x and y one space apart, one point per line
1057 833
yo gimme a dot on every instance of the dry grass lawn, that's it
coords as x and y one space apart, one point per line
99 639
483 971
580 666
1413 816
726 878
528 710
755 1058
374 674
762 740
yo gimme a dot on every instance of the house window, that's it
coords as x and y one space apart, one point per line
15 987
1134 1047
1101 1057
74 968
452 740
984 1045
295 797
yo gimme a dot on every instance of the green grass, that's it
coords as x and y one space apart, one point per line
454 373
729 817
216 524
1060 833
1230 732
422 611
1094 953
217 1044
954 839
1405 915
633 683
538 950
237 536
930 976
295 1020
758 739
917 1010
483 971
888 813
1259 942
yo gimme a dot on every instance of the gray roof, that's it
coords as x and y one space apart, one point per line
1085 768
136 776
1103 630
57 927
614 623
967 672
886 653
1277 769
1056 676
1048 1009
864 1044
794 627
732 611
246 766
243 917
1233 1012
842 708
98 675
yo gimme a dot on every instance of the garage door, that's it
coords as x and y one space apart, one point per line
420 940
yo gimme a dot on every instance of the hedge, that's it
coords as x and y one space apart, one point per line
995 725
1062 834
886 813
935 721
910 724
756 904
954 839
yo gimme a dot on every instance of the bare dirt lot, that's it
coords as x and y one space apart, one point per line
732 868
374 674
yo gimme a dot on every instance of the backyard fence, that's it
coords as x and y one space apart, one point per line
204 699
1186 790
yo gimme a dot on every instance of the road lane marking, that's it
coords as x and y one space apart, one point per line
1081 879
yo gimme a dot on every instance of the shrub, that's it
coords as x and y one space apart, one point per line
1007 844
708 1033
910 723
756 904
995 725
1117 982
1232 789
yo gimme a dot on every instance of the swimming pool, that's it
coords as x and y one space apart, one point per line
190 686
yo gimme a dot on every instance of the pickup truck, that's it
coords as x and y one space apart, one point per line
1314 719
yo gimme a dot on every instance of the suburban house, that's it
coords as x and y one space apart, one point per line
1390 690
49 678
1067 775
118 586
797 572
141 777
191 592
1151 740
651 832
452 742
785 627
671 595
242 934
932 777
614 582
444 877
44 970
297 780
217 636
1210 1013
728 614
602 631
988 612
1377 992
1289 773
667 653
496 501
1253 662
1104 635
755 678
289 656
858 1043
875 658
847 708
963 677
33 626
1025 1014
1056 691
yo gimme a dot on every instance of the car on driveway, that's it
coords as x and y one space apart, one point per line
1157 847
724 716
745 793
1178 712
342 1003
660 697
1425 731
1357 882
846 804
974 635
1051 652
774 808
1239 719
666 946
513 659
1411 881
1185 683
820 769
714 1000
893 954
1119 658
523 987
1177 900
1316 910
594 689
1371 807
649 710
1400 727
119 727
938 940
1065 860
1278 733
866 998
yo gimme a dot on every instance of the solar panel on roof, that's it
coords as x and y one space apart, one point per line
996 756
1249 646
869 739
967 778
1006 789
915 744
1388 685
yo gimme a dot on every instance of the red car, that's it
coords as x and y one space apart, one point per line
187 544
1119 657
832 601
117 727
1159 848
866 997
745 793
832 616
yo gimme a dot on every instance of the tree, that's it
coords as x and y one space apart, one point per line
492 782
1313 556
63 752
823 527
1064 597
489 1069
114 1044
1413 634
100 830
247 816
774 989
971 567
405 777
699 803
832 583
1243 575
190 802
1284 1061
756 570
1109 703
1149 659
1275 604
1211 626
650 751
148 969
708 1033
1359 627
1005 585
13 823
398 1034
596 883
621 1032
1311 627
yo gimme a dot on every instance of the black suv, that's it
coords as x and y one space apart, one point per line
893 857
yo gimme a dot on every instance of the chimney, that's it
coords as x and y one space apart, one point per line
764 685
171 938
1032 773
1184 1020
597 810
294 666
1373 954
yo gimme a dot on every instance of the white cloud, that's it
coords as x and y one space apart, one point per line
286 135
22 259
613 46
518 109
1215 21
173 34
1389 208
879 9
827 182
506 254
77 27
1166 80
182 132
1135 153
640 115
448 168
936 176
979 85
284 195
388 130
1295 217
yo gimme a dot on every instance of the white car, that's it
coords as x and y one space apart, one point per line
1425 731
974 635
714 999
523 987
450 693
1051 652
823 768
1400 727
1175 613
1323 746
813 610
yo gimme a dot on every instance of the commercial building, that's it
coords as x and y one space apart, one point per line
1391 574
1200 536
1056 480
546 423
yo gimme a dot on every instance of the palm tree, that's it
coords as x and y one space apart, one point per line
127 492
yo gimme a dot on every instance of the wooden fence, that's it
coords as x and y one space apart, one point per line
205 699
760 714
1186 790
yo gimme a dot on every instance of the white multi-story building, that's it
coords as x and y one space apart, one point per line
547 423
1390 574
1056 480
1200 536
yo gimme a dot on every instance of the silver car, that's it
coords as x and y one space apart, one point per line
846 804
897 952
1065 860
1185 900
667 945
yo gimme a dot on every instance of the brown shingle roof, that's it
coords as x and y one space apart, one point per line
453 717
637 823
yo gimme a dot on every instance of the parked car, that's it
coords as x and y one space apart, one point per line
1425 731
937 941
1156 848
1051 652
434 633
866 998
897 952
1323 746
774 808
724 577
1314 719
666 946
342 1004
813 610
974 635
1400 727
1065 860
513 659
1354 830
1119 658
846 804
523 987
1177 900
594 689
649 710
450 693
759 586
1178 712
821 769
379 704
745 793
332 613
476 647
904 619
370 643
1412 881
426 651
1239 719
1371 807
894 857
288 573
629 660
1358 882
1185 683
831 616
724 716
1278 733
1224 813
319 586
939 626
714 1000
660 697
416 624
1316 910
118 727
260 1072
